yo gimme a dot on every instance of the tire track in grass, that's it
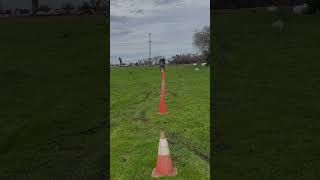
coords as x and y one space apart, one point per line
142 115
179 140
134 107
141 110
147 96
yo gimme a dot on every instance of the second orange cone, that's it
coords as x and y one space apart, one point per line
163 106
163 90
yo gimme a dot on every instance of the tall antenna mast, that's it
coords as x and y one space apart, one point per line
149 46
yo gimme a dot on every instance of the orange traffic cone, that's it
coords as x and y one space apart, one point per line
163 90
164 164
163 75
163 106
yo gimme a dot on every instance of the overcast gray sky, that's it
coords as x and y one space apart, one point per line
171 22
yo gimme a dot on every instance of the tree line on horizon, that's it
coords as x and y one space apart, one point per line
185 58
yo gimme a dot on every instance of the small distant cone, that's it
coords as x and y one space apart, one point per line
163 90
164 163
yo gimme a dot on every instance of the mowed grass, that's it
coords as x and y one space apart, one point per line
135 125
266 97
53 98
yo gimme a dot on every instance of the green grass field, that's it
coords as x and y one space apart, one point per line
53 98
135 125
266 96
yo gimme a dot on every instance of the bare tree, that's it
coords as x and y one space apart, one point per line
201 40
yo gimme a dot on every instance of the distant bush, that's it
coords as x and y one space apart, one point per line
187 59
177 59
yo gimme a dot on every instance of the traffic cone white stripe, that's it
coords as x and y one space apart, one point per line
163 147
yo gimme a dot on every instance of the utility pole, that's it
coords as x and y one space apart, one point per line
150 47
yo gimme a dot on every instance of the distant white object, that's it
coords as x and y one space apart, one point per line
196 69
278 25
301 9
203 64
194 64
272 8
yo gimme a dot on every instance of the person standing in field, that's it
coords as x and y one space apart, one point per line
162 63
